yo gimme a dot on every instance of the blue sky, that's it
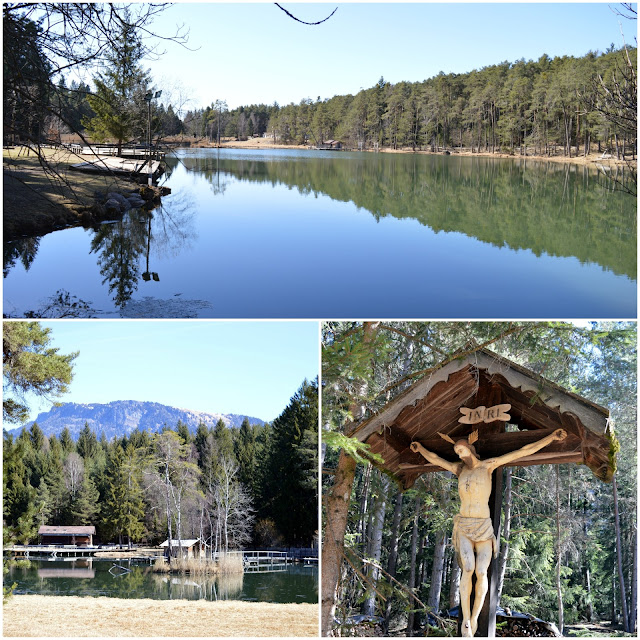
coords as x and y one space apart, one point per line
251 368
253 53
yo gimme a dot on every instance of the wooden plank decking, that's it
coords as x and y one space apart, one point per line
118 166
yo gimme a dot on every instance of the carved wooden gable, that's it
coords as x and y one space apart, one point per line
485 380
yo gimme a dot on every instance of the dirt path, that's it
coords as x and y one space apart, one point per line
72 616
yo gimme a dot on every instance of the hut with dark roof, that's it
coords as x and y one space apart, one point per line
76 536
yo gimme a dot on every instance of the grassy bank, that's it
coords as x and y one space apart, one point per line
36 201
71 616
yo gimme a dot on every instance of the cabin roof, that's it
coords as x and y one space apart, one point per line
482 378
66 531
185 543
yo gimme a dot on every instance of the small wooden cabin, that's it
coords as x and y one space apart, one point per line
77 536
330 144
190 548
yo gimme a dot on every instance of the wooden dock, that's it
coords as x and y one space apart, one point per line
119 166
61 551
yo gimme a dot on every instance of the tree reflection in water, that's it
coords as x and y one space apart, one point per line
61 304
121 245
223 587
24 249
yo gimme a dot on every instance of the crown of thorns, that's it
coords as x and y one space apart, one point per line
473 437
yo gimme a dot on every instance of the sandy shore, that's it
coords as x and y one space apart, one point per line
71 616
581 159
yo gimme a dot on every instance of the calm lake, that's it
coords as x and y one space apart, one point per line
312 234
91 577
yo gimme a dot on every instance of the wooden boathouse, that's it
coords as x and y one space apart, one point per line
76 536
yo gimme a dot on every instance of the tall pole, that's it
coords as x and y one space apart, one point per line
150 182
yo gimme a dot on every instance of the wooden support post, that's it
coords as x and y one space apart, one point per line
487 619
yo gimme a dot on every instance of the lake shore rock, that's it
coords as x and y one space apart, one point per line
73 616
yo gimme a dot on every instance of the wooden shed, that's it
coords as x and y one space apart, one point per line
78 536
484 379
190 548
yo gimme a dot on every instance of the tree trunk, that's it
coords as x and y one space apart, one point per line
393 553
559 555
506 529
337 510
412 571
454 583
375 549
633 609
589 597
362 522
433 601
623 594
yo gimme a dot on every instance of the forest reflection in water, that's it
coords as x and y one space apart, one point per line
547 207
242 229
89 577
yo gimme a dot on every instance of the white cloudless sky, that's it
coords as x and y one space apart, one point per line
250 368
251 53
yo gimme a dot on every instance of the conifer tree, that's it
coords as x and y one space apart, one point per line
85 506
289 490
30 365
118 102
66 441
123 511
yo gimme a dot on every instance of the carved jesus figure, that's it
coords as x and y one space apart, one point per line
473 537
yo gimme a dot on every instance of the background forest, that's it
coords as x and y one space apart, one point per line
256 485
548 106
568 541
563 105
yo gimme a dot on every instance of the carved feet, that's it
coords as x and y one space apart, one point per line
469 628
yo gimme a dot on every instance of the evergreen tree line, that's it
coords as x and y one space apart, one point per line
546 107
568 541
256 485
564 105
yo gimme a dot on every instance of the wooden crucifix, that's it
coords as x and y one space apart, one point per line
551 426
474 532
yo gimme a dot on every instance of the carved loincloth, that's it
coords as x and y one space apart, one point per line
475 530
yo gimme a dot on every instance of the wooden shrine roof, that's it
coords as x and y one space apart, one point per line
483 378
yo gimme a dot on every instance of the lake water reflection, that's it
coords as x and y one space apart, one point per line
255 234
91 577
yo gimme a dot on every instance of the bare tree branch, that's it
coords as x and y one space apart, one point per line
302 21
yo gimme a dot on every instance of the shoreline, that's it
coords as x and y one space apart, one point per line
36 208
74 616
263 143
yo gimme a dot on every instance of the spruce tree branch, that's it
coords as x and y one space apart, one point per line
451 357
413 338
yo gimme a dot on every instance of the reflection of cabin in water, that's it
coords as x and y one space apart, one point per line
190 548
76 536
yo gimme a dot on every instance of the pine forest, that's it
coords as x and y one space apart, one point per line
545 107
233 488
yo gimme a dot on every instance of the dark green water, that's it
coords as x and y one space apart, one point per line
308 234
91 577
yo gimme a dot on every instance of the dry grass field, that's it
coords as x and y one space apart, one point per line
71 616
